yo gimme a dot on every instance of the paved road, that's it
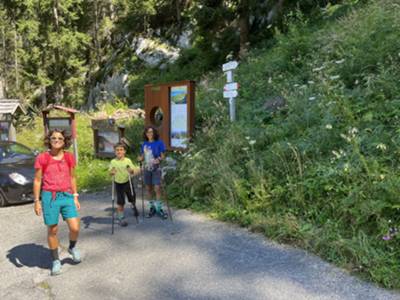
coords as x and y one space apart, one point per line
192 258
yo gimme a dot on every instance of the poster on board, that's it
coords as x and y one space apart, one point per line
106 141
4 128
61 123
179 120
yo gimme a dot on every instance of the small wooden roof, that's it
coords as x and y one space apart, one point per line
60 107
10 106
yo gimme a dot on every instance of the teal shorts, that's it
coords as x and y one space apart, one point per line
63 203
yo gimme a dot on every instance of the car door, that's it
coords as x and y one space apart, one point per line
16 164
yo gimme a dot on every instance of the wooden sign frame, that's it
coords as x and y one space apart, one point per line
96 136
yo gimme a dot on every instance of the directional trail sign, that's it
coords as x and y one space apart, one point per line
230 94
231 86
230 66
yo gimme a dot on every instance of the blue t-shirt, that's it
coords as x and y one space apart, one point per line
152 151
156 147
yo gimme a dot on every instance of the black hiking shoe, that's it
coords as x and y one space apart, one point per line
135 211
152 212
122 223
163 214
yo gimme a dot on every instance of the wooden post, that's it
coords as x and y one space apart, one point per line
74 136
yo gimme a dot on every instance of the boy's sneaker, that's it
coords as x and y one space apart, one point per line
122 223
152 212
56 267
76 256
163 214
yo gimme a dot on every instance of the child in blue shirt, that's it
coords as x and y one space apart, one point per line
152 152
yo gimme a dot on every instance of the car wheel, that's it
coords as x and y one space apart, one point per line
3 201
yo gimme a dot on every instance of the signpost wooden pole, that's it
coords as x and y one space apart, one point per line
74 136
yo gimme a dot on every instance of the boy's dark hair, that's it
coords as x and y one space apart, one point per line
120 144
67 138
155 133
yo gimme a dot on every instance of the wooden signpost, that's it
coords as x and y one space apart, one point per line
63 123
231 88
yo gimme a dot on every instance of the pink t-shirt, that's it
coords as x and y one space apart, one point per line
56 175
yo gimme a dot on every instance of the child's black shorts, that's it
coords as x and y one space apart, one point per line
123 189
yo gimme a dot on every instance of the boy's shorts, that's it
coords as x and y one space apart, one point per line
152 177
123 189
63 203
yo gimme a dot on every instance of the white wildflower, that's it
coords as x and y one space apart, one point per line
247 137
381 146
296 85
346 167
337 154
245 148
252 142
310 82
334 77
318 69
328 126
345 137
382 176
353 131
339 61
311 98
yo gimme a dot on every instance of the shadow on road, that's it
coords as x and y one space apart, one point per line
88 220
30 255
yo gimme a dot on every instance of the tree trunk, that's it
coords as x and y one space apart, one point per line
96 32
275 11
57 60
3 77
244 27
178 11
16 57
43 96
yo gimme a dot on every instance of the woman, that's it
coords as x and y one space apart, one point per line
152 153
55 185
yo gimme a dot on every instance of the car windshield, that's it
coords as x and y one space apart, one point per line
14 153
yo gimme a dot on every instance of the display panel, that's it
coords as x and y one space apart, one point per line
106 141
4 130
60 123
179 116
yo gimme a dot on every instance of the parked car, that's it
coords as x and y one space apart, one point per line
16 173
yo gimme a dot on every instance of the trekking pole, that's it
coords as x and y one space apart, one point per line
133 196
164 191
142 183
113 200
